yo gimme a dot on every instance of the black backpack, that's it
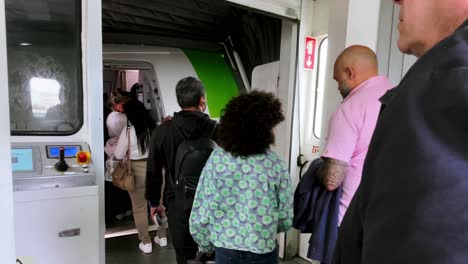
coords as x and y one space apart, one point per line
191 156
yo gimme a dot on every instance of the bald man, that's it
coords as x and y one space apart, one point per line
412 204
352 124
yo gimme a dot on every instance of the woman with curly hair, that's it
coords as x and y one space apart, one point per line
244 197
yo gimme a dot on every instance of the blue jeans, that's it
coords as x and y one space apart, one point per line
230 256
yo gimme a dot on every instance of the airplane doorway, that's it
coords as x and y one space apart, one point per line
134 81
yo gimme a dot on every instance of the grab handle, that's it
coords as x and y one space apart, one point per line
70 233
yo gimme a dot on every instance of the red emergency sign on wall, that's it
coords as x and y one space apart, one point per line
315 149
309 57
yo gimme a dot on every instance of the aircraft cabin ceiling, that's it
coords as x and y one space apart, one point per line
199 24
203 20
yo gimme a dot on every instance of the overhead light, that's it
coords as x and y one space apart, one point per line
25 44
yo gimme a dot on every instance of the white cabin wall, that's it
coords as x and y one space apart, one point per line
7 227
363 22
337 29
7 243
93 87
287 73
305 81
350 22
319 18
314 22
392 62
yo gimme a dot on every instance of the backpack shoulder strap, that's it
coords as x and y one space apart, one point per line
211 128
178 156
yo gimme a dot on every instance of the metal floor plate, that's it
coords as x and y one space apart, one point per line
124 250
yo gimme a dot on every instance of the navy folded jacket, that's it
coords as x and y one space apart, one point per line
316 212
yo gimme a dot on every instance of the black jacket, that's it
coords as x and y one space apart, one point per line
411 205
163 146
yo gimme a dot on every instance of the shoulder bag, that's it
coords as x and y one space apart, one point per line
122 176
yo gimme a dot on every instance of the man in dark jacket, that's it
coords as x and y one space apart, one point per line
192 123
412 206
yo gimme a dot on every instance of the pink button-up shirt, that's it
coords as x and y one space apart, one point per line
350 131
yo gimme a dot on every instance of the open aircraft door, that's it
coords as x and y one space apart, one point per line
280 78
7 243
52 167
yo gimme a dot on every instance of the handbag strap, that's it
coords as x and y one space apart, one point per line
128 150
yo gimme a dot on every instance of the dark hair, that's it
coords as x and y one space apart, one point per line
133 90
189 90
247 122
141 120
120 96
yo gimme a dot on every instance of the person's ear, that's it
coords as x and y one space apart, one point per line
350 73
202 104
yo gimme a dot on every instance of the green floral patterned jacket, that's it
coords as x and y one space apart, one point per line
242 203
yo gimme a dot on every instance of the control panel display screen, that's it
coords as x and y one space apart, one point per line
69 151
22 159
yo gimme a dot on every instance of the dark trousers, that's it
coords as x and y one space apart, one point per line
178 219
230 256
117 201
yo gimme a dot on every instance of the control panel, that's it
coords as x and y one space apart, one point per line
51 165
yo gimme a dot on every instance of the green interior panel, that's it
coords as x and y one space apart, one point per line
217 77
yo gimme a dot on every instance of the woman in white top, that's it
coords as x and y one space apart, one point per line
139 129
116 122
117 201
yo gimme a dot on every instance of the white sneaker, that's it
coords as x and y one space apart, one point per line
123 215
162 242
146 248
